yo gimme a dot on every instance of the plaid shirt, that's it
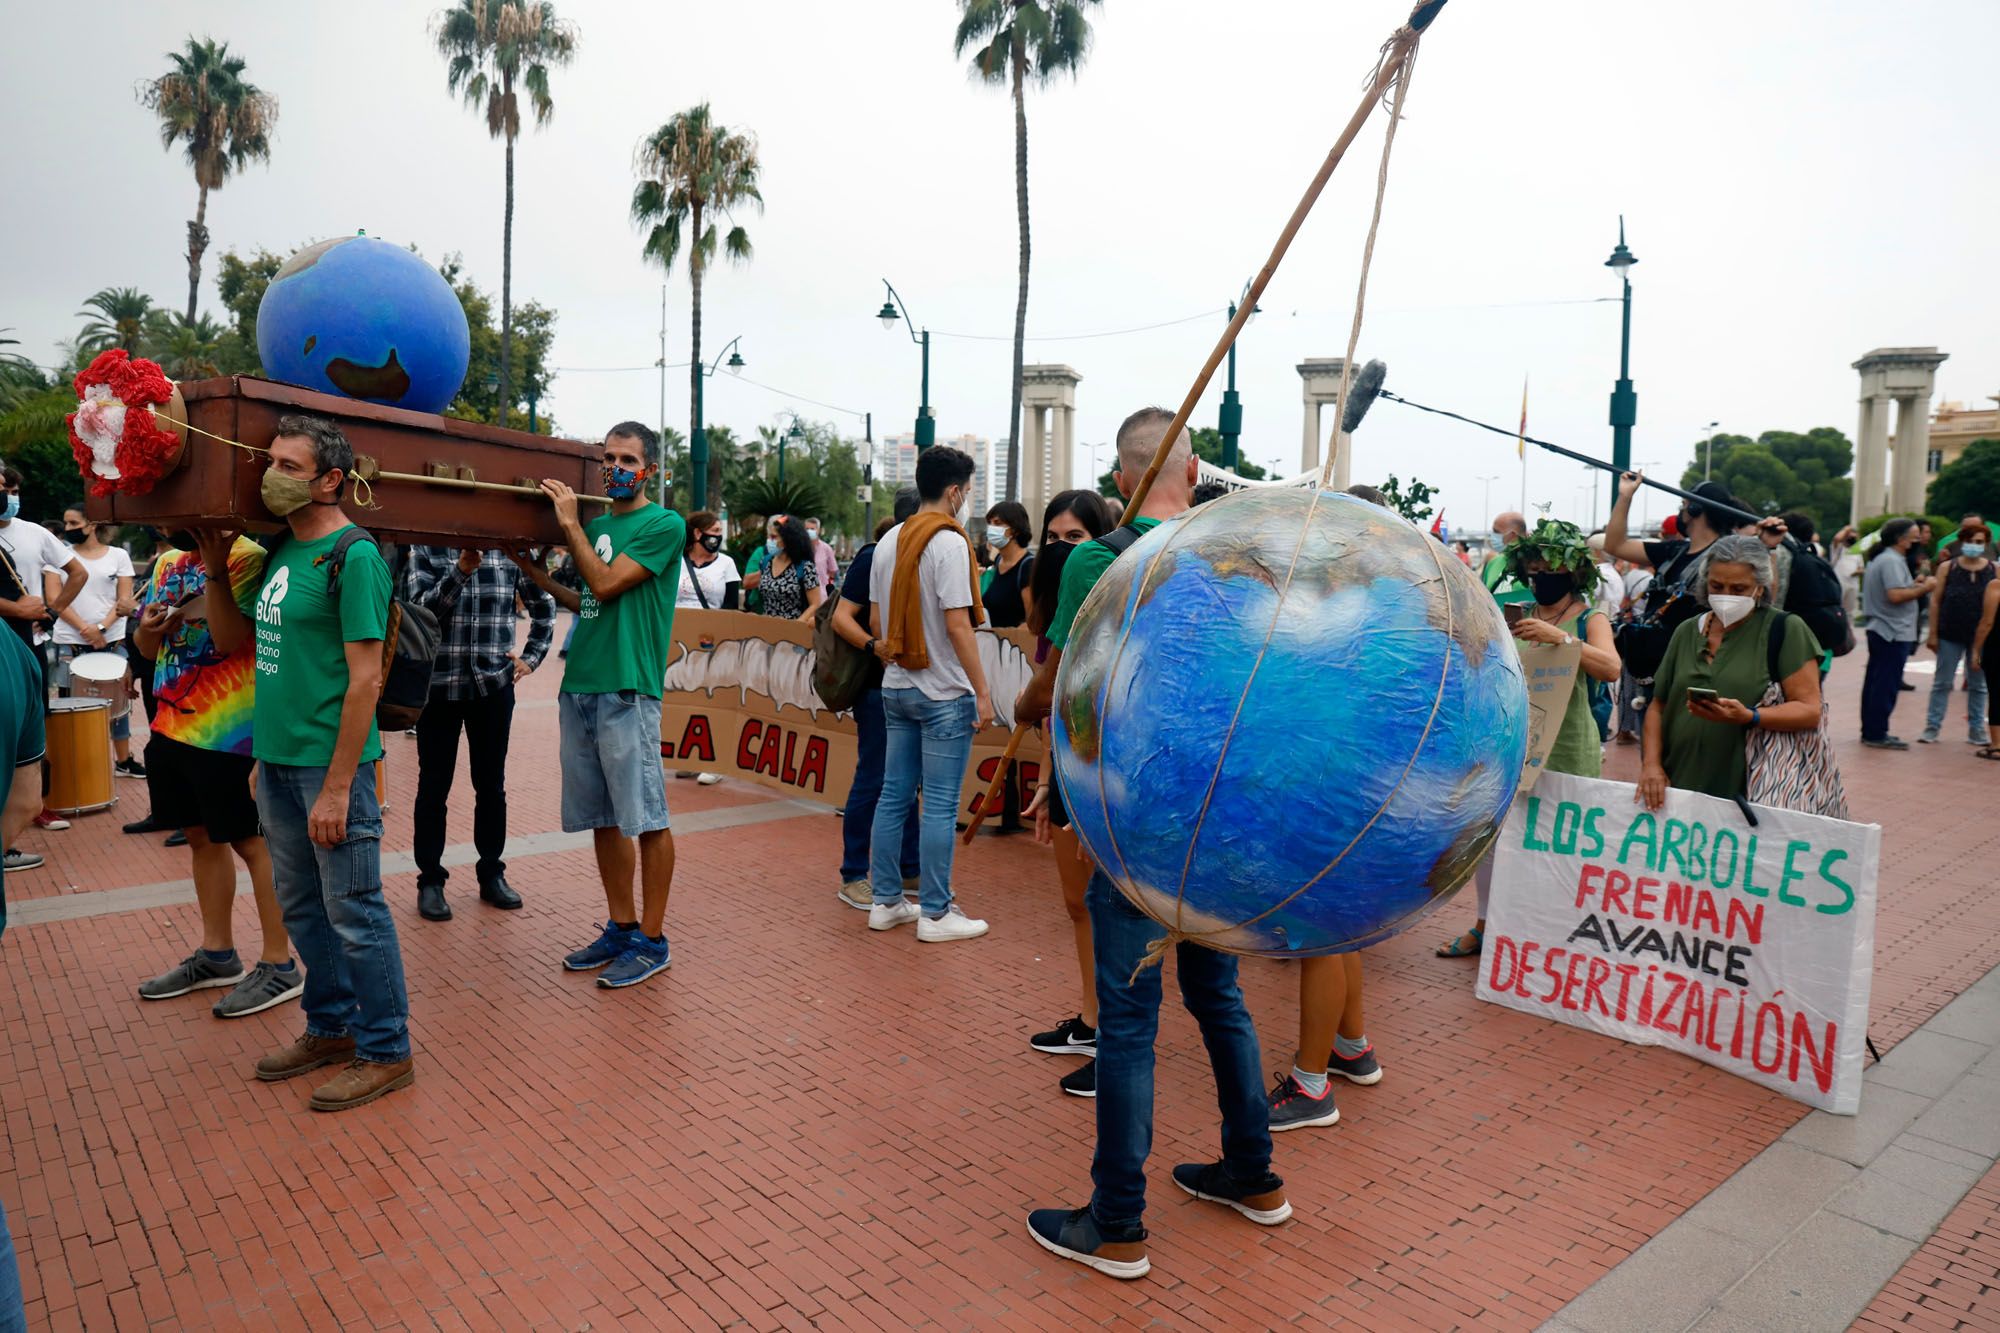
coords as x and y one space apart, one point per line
477 612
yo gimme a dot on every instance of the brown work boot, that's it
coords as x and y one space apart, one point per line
361 1082
303 1056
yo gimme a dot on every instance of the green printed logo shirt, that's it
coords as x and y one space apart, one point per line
623 644
303 629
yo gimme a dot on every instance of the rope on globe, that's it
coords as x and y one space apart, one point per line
1389 82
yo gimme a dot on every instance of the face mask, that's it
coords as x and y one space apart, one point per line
1972 550
1729 610
1552 586
711 541
1495 540
812 534
770 546
76 536
12 509
181 539
997 536
285 495
622 483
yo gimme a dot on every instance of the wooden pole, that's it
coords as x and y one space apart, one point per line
993 789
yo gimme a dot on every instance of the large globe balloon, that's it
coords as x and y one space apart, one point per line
1289 723
367 319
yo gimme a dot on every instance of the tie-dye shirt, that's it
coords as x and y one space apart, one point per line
205 699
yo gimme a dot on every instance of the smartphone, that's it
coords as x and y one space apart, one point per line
1513 611
1698 695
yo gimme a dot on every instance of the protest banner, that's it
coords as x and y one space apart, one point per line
1550 672
1747 945
739 701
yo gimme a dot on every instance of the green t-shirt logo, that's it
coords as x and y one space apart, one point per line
274 593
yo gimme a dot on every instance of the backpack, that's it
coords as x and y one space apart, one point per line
1642 640
410 641
842 673
1814 597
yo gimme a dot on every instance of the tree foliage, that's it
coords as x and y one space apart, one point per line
1970 483
114 317
1412 501
1783 470
534 334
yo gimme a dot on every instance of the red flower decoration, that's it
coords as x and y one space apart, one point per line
119 446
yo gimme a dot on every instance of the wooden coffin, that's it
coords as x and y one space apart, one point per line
439 486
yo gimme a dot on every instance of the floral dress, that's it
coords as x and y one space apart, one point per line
788 594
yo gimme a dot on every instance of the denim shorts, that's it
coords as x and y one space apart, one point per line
612 776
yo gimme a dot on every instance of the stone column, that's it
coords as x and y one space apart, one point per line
1909 477
1871 447
1343 461
1029 485
1309 447
1065 460
1045 465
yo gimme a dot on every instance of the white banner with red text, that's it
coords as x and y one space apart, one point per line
1747 945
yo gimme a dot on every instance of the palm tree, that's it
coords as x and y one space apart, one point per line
493 51
116 317
692 172
1017 41
186 349
225 120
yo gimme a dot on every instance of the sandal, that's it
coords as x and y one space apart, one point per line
1455 948
1987 752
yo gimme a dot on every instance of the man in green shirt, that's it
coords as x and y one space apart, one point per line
322 612
613 783
20 801
1110 1235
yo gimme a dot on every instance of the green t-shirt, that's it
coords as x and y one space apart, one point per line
21 740
623 644
303 629
1085 566
1707 756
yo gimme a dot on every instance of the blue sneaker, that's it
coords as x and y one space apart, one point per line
1074 1234
642 958
604 949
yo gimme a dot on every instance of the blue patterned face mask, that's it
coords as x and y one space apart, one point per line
622 483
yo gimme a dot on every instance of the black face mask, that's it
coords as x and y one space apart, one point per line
180 539
76 536
1552 586
1682 520
711 541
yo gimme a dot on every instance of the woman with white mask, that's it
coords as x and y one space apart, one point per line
1717 667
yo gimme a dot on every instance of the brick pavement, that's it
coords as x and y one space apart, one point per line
1953 1282
805 1125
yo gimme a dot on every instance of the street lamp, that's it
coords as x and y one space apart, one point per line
1624 403
1229 421
1707 447
698 443
795 436
892 308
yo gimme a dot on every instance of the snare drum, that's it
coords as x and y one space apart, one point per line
79 756
102 676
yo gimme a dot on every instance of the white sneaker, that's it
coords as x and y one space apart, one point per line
708 779
953 925
891 915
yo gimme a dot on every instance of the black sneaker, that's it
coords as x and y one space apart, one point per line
145 825
1362 1068
1072 1036
1291 1108
1262 1201
1081 1081
129 768
1073 1234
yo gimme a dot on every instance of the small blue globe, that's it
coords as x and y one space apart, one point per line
1289 724
366 319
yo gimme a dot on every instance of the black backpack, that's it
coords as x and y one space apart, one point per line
409 643
1642 640
1814 597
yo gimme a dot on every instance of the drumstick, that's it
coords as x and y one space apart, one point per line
993 790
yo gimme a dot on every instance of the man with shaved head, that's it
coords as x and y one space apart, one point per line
1508 528
1109 1234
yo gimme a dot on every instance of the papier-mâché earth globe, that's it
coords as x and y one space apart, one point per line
366 319
1289 723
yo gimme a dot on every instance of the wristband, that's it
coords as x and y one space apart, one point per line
1756 716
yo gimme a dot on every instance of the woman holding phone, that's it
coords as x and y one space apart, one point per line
1717 668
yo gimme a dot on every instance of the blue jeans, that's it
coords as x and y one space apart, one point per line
335 913
1882 684
931 739
1128 1019
857 823
13 1318
1949 655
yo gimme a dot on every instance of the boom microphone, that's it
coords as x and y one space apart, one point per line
1361 395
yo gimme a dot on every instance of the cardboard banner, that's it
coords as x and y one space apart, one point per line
739 701
1550 670
1747 946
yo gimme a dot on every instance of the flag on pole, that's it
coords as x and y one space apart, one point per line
1439 530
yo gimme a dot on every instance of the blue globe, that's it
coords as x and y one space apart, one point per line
366 319
1289 723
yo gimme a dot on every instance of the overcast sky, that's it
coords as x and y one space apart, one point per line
1802 182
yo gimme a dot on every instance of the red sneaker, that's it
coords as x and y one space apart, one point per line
48 819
